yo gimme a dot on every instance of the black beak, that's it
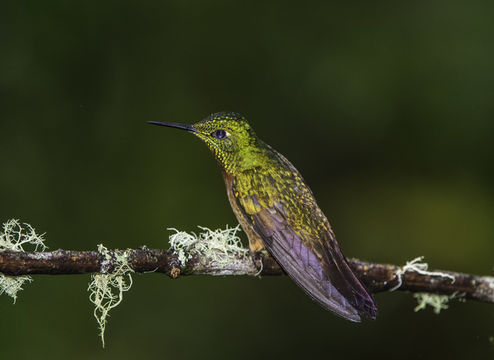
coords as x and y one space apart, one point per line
173 125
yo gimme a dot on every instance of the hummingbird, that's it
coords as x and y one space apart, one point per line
278 212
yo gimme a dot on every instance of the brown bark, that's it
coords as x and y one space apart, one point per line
377 277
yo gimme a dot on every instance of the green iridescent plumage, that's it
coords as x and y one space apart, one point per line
277 210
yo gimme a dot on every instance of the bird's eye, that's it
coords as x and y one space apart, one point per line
219 134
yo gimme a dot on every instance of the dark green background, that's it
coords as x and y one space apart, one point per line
387 109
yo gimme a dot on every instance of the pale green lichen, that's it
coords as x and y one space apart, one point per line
107 289
14 237
437 302
215 247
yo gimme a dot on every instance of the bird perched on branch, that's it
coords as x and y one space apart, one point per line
277 211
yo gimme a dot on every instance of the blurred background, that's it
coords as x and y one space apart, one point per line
386 109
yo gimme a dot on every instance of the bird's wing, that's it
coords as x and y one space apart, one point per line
316 265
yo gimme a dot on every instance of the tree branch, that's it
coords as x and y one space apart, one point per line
377 277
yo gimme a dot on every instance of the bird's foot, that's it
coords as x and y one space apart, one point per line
257 259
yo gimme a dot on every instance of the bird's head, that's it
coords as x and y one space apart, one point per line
229 137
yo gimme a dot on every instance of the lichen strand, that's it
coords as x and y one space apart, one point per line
220 248
107 289
417 266
10 285
14 237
